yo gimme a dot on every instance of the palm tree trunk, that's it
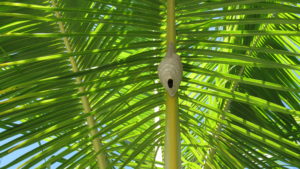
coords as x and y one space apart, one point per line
172 141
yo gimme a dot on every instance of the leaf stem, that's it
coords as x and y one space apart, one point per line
96 142
172 137
227 105
172 142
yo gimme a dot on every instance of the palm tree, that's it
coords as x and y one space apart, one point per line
79 85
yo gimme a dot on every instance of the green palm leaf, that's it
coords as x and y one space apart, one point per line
79 85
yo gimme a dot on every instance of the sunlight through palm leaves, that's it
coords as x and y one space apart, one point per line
238 101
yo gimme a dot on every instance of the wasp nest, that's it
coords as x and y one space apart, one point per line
170 71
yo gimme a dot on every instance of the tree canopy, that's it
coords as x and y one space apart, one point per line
79 82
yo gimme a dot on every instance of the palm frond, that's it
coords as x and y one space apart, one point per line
238 101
